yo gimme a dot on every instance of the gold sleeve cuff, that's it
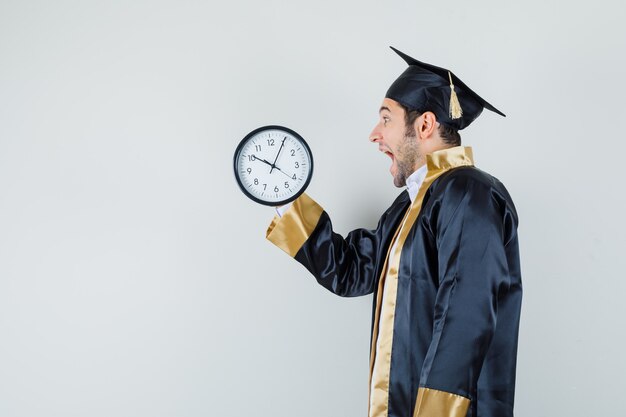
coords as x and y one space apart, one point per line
434 403
290 231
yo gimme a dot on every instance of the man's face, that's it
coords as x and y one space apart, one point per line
395 140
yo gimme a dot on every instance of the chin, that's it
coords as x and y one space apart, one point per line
399 182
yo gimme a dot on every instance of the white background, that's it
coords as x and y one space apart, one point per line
135 279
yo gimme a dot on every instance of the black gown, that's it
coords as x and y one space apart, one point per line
447 337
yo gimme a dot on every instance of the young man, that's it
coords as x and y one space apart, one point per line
443 262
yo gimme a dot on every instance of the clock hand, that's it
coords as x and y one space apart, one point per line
262 160
284 172
280 149
273 166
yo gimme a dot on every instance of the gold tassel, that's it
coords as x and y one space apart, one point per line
455 107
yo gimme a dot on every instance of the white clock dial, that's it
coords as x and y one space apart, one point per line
273 165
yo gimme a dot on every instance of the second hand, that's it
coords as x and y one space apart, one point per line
290 176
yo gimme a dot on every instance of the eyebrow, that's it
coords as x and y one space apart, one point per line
384 108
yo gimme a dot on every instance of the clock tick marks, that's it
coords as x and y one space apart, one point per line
252 154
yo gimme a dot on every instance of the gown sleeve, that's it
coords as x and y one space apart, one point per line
470 228
345 266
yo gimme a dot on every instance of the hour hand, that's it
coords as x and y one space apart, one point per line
262 160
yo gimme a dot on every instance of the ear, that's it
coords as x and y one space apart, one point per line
426 125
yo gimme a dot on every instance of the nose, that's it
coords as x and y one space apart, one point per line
376 135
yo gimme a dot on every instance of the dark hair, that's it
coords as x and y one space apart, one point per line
449 135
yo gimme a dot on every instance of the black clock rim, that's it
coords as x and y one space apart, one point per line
238 179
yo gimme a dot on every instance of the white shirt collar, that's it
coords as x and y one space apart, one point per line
415 180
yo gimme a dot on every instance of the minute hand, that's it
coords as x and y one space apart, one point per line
280 149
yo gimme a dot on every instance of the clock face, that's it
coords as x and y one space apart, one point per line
273 165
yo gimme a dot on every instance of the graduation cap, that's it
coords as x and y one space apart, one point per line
424 87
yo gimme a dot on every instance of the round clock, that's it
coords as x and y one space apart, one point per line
273 165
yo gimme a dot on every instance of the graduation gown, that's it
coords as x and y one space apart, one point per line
447 337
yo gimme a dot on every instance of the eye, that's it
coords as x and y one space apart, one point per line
385 120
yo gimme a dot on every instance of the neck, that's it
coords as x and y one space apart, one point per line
429 149
437 145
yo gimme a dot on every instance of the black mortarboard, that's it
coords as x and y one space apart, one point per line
424 87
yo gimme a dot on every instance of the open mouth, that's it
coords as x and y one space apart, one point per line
390 154
386 152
